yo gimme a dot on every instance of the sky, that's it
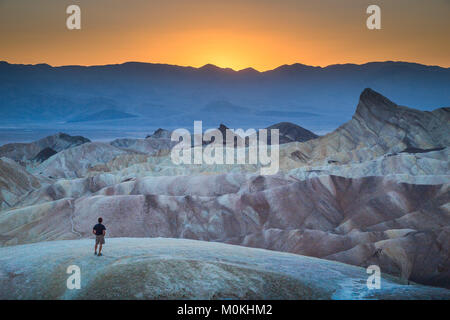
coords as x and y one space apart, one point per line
262 34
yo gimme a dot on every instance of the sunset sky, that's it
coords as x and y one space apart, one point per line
262 34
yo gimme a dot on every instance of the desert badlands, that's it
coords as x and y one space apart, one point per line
375 191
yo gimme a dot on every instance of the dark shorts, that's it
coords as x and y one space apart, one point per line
100 239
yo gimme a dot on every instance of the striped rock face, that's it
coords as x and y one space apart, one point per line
15 181
28 151
361 221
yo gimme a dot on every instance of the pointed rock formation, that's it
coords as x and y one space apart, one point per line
396 124
378 127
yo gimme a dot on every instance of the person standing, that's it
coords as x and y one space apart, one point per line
100 231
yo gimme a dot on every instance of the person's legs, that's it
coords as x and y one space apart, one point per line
95 249
99 240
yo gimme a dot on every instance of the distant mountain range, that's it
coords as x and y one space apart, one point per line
108 114
170 96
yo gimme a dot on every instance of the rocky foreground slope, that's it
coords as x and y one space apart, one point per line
374 191
403 228
186 269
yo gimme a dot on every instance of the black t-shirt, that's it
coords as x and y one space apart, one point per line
99 229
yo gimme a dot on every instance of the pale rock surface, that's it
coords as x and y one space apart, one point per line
421 168
185 269
77 161
15 181
150 146
27 151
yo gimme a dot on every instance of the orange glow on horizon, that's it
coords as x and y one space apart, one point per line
236 34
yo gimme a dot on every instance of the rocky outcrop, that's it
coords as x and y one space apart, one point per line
418 168
223 129
160 133
185 269
44 155
28 151
77 161
290 132
378 127
15 182
151 146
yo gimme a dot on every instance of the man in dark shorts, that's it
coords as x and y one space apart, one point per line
99 231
